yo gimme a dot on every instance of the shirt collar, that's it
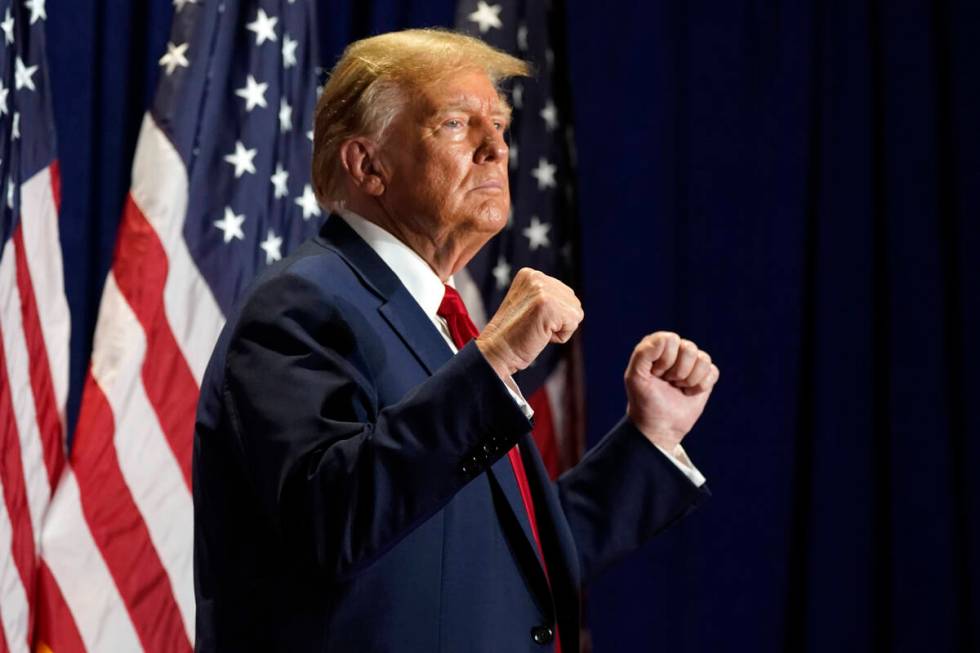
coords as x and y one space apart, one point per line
422 283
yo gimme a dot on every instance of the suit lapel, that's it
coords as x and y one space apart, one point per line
559 546
398 308
416 330
503 471
549 511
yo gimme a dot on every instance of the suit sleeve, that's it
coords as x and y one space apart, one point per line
622 493
341 480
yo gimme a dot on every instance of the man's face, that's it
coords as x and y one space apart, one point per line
446 160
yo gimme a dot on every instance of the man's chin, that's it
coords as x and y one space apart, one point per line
491 218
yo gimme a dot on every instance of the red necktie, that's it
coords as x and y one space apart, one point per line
462 330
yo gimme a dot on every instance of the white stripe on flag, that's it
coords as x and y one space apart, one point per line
160 191
15 348
14 610
472 299
76 564
147 462
39 225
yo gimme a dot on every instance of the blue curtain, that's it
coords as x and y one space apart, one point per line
794 186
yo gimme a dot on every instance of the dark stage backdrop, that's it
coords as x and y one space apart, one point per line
794 186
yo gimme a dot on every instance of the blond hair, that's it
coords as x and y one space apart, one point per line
372 82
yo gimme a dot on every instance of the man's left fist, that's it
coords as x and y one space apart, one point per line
668 382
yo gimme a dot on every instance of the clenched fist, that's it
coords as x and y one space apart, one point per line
537 310
668 382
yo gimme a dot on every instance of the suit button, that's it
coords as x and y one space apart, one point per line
542 634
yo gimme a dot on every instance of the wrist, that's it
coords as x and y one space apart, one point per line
658 433
494 359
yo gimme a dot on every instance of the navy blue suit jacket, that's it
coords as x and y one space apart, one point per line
351 491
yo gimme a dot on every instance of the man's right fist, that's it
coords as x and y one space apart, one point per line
537 310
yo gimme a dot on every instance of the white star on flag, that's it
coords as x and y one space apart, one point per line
3 99
285 116
513 155
486 16
308 202
253 93
15 130
279 180
23 75
8 27
550 115
272 246
264 27
309 135
566 251
231 225
10 194
518 95
180 4
242 159
174 57
522 36
288 51
37 10
537 233
545 174
501 272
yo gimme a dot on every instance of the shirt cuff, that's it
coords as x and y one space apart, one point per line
518 397
679 457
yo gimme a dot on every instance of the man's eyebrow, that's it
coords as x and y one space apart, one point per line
502 108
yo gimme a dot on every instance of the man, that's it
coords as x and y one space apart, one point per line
364 479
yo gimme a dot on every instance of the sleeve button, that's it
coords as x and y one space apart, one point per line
542 634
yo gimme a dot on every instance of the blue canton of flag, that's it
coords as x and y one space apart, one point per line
542 231
27 142
237 101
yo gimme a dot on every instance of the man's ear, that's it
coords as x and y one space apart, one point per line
360 160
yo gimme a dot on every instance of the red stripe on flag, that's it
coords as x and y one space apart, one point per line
3 639
119 531
55 170
140 268
46 405
56 627
544 432
14 490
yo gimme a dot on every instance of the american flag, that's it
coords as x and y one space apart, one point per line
542 232
220 188
34 319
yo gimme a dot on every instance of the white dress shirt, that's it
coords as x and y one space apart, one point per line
425 286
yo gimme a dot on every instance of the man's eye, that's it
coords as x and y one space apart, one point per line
453 123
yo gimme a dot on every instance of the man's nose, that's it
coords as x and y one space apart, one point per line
493 146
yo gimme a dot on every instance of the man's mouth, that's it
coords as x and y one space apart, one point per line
492 185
